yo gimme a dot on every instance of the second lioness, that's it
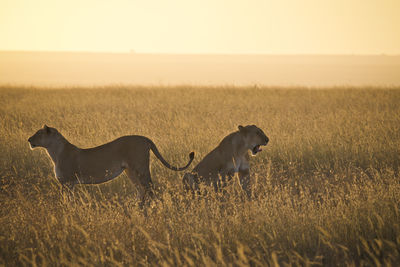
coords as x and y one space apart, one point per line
229 157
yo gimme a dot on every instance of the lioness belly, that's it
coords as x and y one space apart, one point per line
100 176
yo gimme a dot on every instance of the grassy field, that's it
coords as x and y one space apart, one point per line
326 188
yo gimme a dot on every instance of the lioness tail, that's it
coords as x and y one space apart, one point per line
166 164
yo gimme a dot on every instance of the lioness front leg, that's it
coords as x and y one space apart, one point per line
67 190
244 179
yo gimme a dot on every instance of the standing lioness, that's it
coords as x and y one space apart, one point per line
73 165
229 157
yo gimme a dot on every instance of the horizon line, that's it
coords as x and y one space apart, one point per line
196 54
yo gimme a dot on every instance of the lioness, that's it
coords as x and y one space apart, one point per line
73 165
229 157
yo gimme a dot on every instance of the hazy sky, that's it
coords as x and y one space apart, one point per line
203 26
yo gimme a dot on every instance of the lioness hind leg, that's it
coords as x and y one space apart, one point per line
135 180
188 181
144 177
142 180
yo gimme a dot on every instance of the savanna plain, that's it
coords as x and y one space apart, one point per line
326 189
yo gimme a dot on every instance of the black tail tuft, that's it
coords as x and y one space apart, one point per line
191 155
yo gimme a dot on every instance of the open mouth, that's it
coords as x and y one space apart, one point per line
32 145
256 149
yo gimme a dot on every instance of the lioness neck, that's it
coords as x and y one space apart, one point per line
239 145
58 147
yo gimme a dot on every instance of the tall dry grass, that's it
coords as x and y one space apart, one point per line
326 187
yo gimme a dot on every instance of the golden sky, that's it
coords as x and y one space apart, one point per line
202 26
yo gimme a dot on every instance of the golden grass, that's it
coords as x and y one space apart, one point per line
327 186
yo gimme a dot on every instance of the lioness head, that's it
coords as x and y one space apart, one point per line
43 137
254 137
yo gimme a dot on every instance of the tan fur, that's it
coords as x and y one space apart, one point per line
73 165
229 157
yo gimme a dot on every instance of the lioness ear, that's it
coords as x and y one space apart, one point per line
47 129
